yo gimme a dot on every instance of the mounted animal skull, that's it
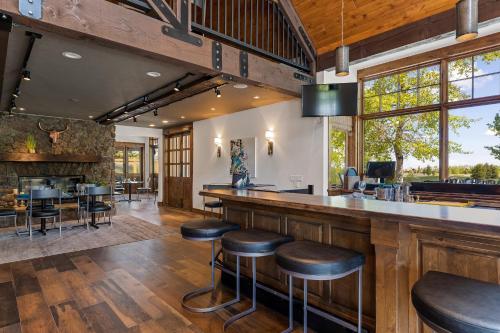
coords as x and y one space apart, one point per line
53 134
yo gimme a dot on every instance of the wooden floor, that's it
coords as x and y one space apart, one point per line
133 287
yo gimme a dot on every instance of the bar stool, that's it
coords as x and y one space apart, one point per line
206 230
211 205
450 303
315 261
250 243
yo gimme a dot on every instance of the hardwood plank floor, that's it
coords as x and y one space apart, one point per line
134 287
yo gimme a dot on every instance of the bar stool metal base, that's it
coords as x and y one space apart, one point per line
211 288
323 314
240 315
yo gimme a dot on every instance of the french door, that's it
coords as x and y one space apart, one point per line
179 168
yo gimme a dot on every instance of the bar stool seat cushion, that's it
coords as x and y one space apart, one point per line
45 213
457 304
7 212
253 241
206 229
213 204
315 259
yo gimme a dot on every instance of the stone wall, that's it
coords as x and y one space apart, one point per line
82 137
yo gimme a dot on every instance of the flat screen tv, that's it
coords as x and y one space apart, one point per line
325 100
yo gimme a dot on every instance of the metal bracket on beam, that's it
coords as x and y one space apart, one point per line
180 35
5 22
244 64
31 8
217 56
303 77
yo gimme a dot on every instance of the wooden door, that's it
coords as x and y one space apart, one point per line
178 169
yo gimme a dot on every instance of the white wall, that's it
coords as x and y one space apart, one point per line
142 135
299 147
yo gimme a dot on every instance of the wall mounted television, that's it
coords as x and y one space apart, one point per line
325 100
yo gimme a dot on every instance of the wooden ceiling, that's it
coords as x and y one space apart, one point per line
362 18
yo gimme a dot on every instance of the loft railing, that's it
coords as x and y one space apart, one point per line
258 26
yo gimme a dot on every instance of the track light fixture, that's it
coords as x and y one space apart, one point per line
16 93
26 75
13 106
108 117
155 112
177 86
217 92
135 119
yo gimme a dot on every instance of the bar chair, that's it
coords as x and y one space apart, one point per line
145 189
202 231
94 206
215 204
450 303
44 211
251 243
315 261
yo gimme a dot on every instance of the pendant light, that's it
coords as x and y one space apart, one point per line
342 52
466 11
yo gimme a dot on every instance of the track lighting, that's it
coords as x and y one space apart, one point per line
16 93
108 117
13 106
217 92
177 86
155 112
26 75
135 119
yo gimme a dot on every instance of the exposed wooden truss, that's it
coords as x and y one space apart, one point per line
113 25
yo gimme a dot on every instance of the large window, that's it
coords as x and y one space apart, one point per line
337 155
403 118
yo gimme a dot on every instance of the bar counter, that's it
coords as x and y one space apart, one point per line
401 241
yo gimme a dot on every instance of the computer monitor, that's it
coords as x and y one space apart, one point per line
381 170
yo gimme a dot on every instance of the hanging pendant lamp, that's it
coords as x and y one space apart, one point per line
467 13
342 52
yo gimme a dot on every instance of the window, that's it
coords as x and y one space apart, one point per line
337 154
410 134
410 140
474 143
474 77
410 89
129 160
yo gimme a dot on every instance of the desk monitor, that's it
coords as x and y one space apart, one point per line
381 170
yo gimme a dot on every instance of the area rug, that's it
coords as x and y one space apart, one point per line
125 229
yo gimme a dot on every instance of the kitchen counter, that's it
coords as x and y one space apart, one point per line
401 241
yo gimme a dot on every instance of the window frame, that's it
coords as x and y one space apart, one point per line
443 106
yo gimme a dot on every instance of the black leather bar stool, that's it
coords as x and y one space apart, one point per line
315 261
206 230
250 243
450 303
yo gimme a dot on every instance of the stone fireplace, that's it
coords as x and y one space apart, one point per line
66 157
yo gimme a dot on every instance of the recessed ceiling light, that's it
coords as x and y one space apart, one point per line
153 74
152 125
71 55
182 117
91 117
240 86
212 109
256 97
21 109
165 121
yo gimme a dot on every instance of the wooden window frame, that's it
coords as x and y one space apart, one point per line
459 51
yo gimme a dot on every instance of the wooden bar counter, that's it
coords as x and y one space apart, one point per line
401 242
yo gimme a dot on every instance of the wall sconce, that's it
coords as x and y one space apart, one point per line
218 143
270 142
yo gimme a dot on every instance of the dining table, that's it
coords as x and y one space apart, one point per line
129 189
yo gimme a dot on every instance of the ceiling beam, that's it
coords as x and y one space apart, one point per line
430 27
115 26
5 28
